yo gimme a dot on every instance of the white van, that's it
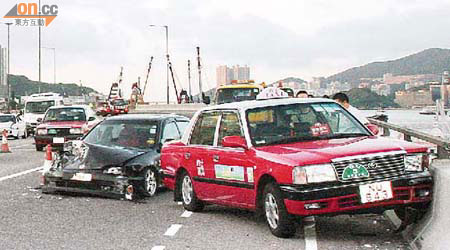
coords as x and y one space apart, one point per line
36 105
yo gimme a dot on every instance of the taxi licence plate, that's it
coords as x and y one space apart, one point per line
58 139
376 192
81 177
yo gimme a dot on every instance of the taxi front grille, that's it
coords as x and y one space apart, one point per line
380 167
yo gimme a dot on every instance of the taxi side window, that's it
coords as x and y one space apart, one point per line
170 132
229 126
205 129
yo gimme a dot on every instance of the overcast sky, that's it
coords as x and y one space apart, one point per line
277 39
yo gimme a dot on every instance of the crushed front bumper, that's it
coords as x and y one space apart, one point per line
414 189
106 185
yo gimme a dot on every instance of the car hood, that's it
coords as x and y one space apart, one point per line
323 151
5 125
58 124
99 157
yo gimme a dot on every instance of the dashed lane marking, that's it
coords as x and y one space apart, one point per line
158 248
310 233
19 174
173 229
186 214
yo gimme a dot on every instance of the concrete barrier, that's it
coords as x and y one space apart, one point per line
433 231
186 109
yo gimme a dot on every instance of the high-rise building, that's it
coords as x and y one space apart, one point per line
222 75
225 74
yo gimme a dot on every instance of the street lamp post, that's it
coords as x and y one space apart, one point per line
167 53
7 76
54 62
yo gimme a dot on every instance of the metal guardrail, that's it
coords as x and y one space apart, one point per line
443 146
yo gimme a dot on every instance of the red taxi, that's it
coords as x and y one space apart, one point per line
293 157
63 123
119 106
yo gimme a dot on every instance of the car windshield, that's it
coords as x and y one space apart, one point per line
236 94
119 102
139 134
65 114
301 122
6 118
38 107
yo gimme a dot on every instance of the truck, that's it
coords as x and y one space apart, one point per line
35 107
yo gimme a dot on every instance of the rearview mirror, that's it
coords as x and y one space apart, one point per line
373 128
234 142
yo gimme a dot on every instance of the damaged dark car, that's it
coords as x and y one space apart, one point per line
120 157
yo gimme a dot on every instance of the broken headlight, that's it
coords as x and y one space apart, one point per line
416 162
113 170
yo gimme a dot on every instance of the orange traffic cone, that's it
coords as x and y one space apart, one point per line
5 147
48 158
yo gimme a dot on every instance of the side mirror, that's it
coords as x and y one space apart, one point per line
91 119
206 100
39 120
373 128
234 142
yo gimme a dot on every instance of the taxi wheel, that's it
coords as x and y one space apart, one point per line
151 180
190 201
279 221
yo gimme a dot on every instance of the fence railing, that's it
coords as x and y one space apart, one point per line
443 146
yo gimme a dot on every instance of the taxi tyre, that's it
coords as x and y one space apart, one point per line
285 226
194 205
150 175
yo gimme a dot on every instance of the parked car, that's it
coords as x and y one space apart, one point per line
117 158
119 106
103 108
290 158
63 123
14 126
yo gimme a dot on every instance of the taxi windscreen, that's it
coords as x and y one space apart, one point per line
301 122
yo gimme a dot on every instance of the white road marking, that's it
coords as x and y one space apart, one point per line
310 233
186 214
158 248
173 229
19 174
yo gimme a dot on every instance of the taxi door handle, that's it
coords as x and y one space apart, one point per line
187 156
215 158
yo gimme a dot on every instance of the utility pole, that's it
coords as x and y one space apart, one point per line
167 54
8 85
199 75
39 12
189 80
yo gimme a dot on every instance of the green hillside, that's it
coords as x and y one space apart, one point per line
430 61
363 98
22 86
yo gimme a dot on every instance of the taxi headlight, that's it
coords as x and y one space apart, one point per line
313 174
416 162
42 131
76 131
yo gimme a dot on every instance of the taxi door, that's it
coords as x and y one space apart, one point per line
198 154
232 167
